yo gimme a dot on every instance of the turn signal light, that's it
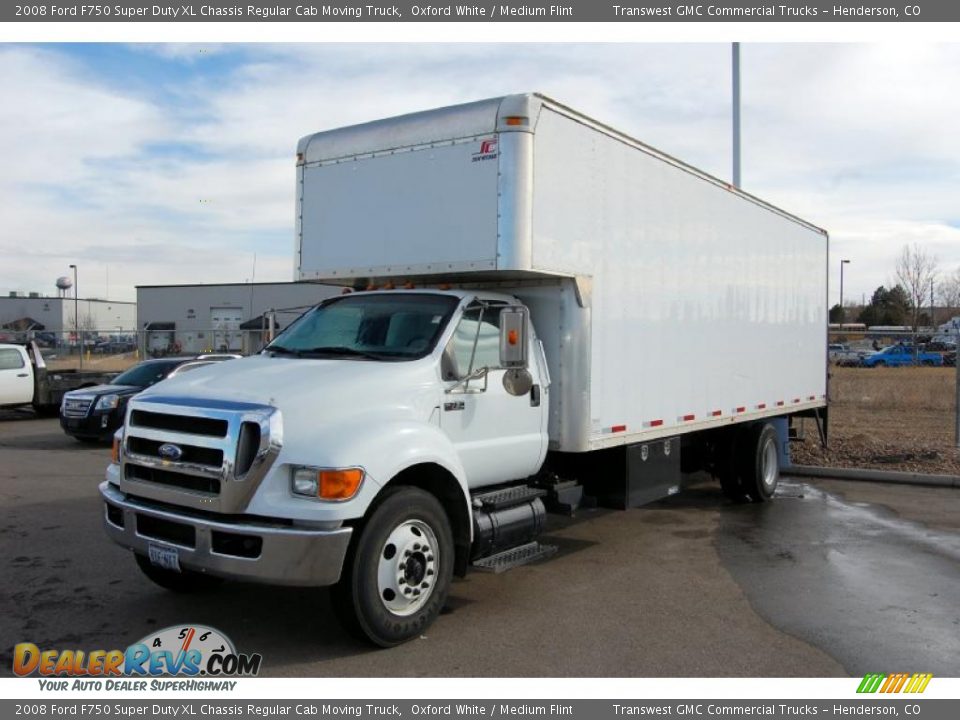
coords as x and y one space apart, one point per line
515 120
340 484
512 337
115 451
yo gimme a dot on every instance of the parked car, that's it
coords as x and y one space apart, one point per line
841 354
93 414
901 356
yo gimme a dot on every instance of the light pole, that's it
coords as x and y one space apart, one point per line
76 316
736 114
843 315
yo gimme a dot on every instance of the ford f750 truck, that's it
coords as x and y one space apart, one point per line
537 308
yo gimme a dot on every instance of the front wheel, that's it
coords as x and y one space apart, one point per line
396 578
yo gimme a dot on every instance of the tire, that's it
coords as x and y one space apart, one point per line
397 574
760 463
185 582
878 363
46 411
728 471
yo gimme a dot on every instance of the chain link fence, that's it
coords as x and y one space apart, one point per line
893 403
117 348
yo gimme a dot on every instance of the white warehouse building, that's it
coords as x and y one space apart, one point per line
56 314
219 318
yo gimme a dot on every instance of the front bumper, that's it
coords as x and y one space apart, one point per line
95 424
250 551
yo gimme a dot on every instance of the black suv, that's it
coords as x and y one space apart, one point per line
93 414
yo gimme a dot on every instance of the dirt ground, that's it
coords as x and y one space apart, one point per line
888 419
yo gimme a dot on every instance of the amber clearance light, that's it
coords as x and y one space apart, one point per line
327 483
340 484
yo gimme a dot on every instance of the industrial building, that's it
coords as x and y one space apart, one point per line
219 318
33 312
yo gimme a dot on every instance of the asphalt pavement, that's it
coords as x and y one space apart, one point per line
831 579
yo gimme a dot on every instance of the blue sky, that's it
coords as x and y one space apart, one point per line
166 163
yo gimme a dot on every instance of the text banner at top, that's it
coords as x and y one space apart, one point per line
626 11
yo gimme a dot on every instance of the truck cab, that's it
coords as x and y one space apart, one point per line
16 376
374 410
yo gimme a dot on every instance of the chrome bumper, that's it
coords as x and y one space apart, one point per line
285 556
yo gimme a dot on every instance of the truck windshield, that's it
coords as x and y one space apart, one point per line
401 326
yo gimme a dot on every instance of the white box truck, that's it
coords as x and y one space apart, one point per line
537 309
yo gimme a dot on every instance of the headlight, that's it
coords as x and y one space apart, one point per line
326 483
108 402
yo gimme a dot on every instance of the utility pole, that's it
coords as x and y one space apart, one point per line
76 316
843 314
736 114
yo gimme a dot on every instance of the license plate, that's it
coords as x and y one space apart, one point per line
164 557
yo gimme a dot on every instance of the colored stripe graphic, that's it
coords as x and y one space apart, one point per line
894 683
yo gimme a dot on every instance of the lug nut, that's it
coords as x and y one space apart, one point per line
425 585
429 572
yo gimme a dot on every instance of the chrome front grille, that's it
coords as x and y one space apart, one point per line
206 456
76 407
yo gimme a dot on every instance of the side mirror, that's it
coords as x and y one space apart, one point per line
514 326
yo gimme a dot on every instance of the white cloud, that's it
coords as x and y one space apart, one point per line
857 138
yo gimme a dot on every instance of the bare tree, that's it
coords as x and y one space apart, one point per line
948 291
916 271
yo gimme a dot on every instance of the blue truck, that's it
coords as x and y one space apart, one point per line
901 356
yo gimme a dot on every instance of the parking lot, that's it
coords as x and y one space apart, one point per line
831 579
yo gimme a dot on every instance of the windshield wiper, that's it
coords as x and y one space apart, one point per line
341 350
281 350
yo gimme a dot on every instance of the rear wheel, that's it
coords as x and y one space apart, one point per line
396 578
760 463
728 470
187 581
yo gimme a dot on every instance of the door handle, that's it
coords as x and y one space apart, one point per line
22 375
535 396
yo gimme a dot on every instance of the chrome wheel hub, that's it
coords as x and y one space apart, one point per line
770 467
407 569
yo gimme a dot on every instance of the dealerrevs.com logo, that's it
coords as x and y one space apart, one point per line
179 651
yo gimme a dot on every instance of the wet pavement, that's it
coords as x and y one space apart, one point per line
875 591
816 583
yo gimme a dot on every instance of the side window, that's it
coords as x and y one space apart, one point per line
11 359
461 347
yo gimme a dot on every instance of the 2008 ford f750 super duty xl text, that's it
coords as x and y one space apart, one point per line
542 308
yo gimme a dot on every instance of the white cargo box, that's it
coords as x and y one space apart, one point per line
688 304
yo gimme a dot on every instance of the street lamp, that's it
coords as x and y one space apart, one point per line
76 316
843 315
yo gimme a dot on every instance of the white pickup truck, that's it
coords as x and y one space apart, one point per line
536 309
26 380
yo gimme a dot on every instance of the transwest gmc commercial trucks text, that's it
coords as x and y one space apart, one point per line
536 308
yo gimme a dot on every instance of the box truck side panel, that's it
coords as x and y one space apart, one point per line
706 305
429 210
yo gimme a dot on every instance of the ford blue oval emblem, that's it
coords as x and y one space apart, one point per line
169 451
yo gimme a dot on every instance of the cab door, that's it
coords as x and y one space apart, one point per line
16 378
498 436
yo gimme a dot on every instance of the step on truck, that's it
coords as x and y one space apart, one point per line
538 311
